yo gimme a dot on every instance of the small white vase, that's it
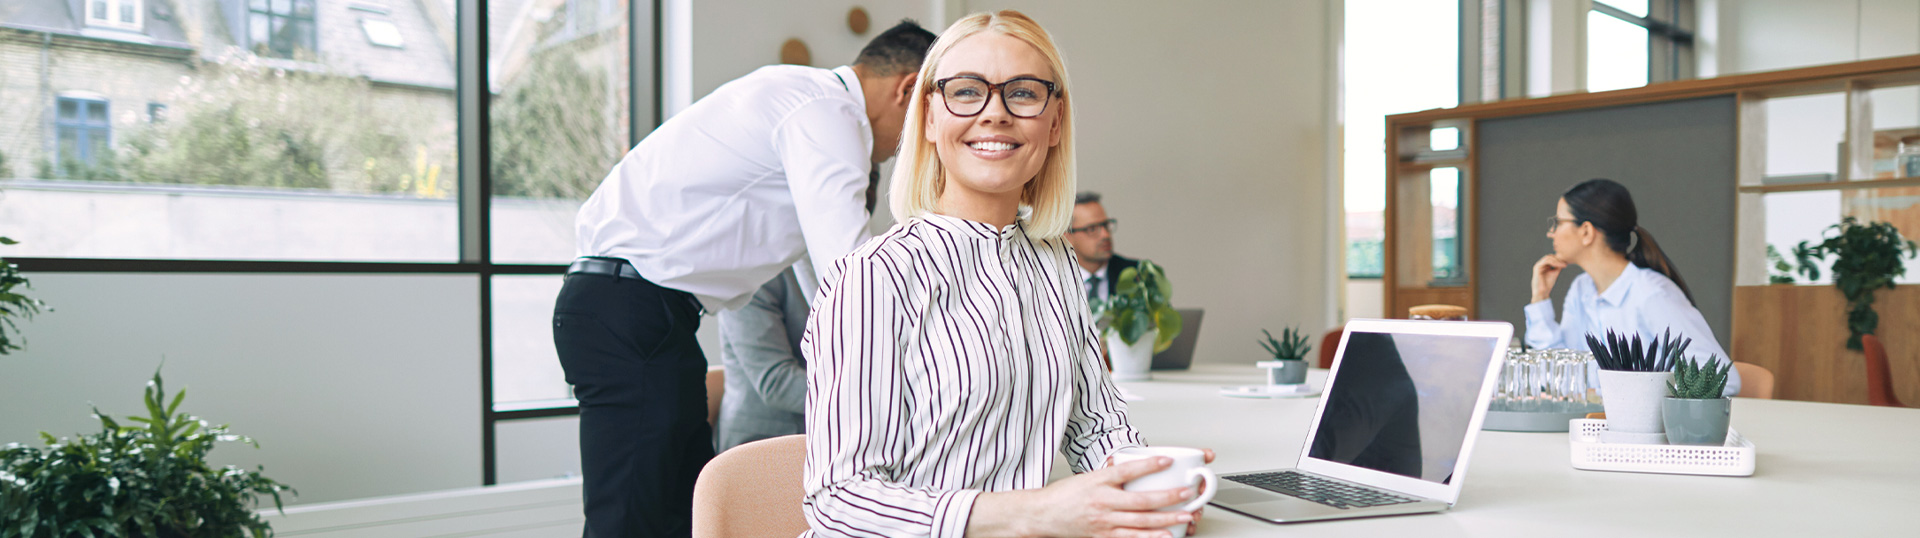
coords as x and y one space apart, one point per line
1633 400
1131 362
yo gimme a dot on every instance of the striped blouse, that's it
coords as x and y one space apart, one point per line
945 359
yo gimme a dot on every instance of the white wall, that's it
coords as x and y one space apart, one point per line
1766 35
1205 125
355 386
731 38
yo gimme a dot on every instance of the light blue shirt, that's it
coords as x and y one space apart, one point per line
1642 301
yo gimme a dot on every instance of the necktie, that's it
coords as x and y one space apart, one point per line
1093 288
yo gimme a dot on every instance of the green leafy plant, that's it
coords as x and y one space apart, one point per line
1866 258
1140 304
1780 271
1291 346
14 304
1624 353
149 480
1694 381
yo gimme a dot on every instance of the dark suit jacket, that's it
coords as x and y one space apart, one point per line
1115 265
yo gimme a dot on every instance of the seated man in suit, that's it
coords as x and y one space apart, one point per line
766 390
1091 234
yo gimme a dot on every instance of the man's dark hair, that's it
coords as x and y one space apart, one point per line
1086 197
898 50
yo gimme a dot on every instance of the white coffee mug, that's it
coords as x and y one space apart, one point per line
1189 469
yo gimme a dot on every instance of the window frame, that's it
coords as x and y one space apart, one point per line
1670 37
474 199
112 20
291 17
84 130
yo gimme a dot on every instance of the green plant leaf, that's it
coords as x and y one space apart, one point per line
1170 326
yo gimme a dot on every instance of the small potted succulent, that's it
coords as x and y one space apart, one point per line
1289 364
1139 319
1695 412
1633 384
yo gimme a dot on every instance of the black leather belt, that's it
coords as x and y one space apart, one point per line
605 266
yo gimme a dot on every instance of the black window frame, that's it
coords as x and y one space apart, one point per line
291 18
474 199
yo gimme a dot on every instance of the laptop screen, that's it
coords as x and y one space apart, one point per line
1402 403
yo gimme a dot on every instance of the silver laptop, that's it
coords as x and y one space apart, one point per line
1179 353
1393 431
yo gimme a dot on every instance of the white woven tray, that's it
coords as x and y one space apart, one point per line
1732 459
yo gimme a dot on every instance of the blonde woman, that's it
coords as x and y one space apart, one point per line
951 357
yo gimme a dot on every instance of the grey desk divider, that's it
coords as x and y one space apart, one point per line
1677 158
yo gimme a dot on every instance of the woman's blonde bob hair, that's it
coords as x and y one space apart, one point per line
919 178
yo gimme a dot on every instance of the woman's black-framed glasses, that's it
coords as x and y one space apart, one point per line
968 95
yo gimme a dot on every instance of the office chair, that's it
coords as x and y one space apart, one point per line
716 387
1756 381
752 491
1879 373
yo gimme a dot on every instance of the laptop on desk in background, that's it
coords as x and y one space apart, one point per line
1393 432
1179 353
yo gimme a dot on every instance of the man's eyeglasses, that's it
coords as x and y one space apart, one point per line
968 95
1555 225
1109 225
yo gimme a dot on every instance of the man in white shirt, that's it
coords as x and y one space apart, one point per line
1091 234
768 168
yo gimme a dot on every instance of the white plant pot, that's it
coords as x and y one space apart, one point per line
1132 363
1633 401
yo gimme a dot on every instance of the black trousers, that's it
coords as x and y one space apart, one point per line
628 348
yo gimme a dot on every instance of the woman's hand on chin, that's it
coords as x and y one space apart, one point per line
1545 273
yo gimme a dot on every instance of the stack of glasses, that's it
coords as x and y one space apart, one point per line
1541 390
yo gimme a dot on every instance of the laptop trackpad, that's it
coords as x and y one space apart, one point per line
1244 496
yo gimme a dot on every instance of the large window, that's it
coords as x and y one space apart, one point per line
281 28
562 114
1401 56
1631 43
345 162
239 155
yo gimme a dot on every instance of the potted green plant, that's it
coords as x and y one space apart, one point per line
1289 364
1139 320
1781 271
149 480
14 304
1633 384
1695 412
1866 258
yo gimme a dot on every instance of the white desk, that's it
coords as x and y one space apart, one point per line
1823 470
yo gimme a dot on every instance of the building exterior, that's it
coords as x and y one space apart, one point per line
78 76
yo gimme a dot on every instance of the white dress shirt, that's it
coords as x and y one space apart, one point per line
945 359
768 168
1642 301
1100 288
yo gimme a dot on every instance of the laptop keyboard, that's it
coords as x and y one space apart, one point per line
1316 489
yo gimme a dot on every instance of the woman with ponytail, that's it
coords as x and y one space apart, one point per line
1629 286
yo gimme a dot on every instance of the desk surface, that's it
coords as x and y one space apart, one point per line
1822 470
